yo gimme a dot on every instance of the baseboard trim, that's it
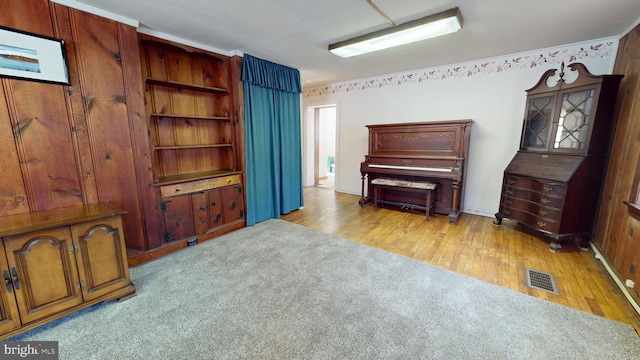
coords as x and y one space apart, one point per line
168 248
614 275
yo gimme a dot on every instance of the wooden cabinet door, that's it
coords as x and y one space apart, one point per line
200 212
45 267
101 256
232 200
9 315
178 218
215 208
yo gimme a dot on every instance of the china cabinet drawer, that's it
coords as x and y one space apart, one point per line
536 222
534 197
199 186
544 187
510 204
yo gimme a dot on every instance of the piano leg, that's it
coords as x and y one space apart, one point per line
364 200
455 203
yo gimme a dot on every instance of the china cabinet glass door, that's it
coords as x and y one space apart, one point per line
537 123
574 120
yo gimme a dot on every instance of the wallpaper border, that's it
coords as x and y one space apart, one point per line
556 55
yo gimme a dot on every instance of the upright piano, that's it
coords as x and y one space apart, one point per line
435 152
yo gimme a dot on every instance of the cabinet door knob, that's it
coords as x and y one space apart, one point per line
511 181
178 189
7 281
547 188
541 224
14 277
543 213
203 208
545 201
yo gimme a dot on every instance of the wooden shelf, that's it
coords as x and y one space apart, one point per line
194 117
178 147
181 85
194 133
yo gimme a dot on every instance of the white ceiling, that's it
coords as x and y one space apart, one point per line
296 33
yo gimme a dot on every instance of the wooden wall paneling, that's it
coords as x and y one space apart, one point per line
40 120
75 106
236 92
134 90
102 86
203 133
153 65
168 160
628 262
13 195
237 114
617 190
27 15
616 232
179 68
45 147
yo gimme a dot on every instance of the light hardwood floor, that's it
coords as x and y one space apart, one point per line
473 247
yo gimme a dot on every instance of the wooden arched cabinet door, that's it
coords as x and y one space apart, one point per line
43 270
9 316
101 256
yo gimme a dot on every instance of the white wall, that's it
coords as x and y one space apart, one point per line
489 91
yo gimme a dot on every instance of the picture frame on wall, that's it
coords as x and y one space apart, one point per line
28 56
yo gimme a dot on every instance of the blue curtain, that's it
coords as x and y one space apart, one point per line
273 139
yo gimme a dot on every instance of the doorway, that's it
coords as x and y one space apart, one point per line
321 145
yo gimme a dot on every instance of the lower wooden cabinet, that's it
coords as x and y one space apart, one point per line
59 261
554 194
194 208
535 202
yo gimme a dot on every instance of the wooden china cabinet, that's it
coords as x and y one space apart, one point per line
553 183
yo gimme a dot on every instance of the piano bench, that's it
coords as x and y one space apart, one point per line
421 187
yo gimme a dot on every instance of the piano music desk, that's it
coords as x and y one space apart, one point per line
421 187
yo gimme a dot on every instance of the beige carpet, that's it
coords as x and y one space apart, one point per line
277 290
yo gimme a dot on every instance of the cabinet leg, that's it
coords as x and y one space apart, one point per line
582 243
555 246
498 220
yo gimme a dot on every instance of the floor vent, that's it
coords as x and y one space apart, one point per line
542 281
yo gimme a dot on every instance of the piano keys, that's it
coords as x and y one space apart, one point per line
435 151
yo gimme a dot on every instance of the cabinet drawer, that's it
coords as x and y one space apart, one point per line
541 186
534 197
510 204
198 186
533 221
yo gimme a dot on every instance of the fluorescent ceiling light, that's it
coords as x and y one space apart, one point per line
427 27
